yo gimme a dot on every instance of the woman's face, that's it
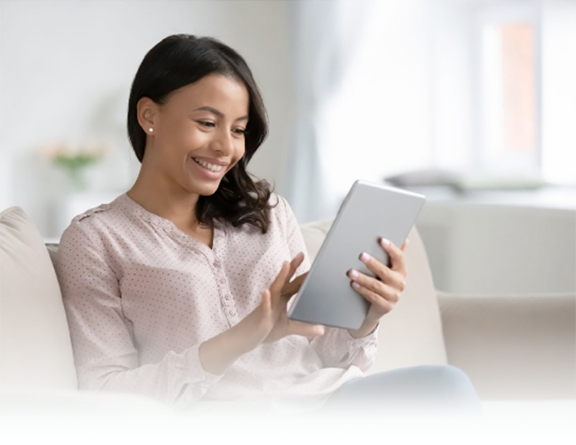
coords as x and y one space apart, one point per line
201 122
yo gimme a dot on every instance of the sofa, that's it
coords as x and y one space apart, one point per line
513 347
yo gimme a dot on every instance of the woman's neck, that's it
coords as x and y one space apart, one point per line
180 209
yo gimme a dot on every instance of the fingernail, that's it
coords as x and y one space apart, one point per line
353 274
364 256
384 242
356 285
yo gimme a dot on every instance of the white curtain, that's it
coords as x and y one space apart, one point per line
325 36
361 80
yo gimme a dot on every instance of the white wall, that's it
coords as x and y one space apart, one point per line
66 72
559 90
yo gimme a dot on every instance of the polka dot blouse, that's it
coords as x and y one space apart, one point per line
141 296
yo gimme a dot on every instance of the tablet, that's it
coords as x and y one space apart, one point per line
370 210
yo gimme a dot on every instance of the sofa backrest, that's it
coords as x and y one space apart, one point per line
35 346
411 334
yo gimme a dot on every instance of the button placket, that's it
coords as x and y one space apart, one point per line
223 282
228 303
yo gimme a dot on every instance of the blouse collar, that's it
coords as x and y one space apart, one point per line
167 224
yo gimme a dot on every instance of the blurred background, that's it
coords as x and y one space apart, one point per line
470 102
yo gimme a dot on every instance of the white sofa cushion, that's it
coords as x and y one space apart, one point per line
411 334
35 346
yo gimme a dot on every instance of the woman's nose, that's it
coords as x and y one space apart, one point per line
223 142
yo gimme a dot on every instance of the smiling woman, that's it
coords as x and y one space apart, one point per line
179 288
191 146
196 98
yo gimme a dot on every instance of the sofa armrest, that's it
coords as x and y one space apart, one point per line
513 346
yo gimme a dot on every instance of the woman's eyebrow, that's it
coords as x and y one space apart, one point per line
219 113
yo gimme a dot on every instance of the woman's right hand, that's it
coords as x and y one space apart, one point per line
269 321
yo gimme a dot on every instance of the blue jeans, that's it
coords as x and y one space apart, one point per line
436 389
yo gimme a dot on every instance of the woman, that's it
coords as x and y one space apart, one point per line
178 289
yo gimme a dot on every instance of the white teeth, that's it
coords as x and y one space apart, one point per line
211 167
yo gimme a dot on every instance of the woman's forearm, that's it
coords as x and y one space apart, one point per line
221 351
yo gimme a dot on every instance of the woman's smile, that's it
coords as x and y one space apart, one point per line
210 171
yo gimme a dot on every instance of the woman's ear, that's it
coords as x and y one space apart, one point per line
146 112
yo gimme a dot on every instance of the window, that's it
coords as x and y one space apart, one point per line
509 87
502 86
509 97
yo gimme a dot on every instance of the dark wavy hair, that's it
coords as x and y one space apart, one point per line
179 60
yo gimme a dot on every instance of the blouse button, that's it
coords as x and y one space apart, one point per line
232 312
216 263
222 280
227 296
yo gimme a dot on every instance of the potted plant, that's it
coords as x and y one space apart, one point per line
75 159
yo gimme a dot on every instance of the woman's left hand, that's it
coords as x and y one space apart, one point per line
383 292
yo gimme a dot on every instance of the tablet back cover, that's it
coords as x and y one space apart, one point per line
369 210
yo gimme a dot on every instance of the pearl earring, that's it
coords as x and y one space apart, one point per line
151 130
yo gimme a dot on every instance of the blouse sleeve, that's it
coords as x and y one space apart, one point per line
105 354
336 348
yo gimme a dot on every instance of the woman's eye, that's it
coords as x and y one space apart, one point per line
240 131
206 123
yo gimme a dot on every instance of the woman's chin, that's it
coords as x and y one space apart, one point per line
205 189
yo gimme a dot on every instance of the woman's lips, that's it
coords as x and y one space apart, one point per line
211 161
208 173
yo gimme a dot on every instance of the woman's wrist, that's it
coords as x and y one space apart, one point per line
220 352
367 328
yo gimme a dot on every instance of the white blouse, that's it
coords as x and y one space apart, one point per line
141 296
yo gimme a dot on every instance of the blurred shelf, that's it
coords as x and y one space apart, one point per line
553 197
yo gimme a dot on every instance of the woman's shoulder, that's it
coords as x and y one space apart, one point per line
95 220
277 204
275 199
281 205
282 211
